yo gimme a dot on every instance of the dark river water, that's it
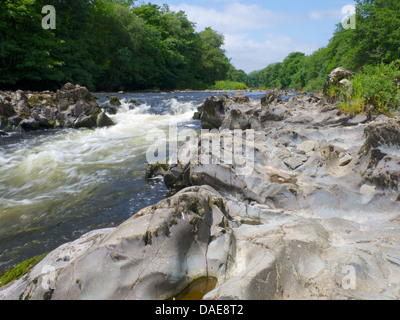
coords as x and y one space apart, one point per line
57 185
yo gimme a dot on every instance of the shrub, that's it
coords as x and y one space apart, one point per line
375 86
229 85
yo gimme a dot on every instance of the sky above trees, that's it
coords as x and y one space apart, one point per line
261 32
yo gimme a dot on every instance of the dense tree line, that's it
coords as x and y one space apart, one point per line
375 40
106 45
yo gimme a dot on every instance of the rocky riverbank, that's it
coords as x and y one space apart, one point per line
317 217
72 106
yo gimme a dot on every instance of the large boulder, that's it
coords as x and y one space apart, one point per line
336 78
104 121
30 124
114 101
213 112
154 255
76 105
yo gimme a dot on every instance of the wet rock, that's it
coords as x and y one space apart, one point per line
86 121
154 170
177 177
110 109
196 116
43 122
114 101
104 121
30 124
51 110
14 121
6 109
136 102
2 133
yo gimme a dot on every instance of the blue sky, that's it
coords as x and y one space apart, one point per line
258 33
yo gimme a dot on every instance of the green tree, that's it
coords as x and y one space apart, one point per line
289 68
215 64
106 45
27 51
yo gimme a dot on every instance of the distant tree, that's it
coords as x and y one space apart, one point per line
214 62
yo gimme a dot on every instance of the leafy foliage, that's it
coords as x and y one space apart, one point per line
375 87
376 39
229 85
106 45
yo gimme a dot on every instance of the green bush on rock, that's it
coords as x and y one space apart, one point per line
229 85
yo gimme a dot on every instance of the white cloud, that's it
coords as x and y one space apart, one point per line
249 54
242 25
234 17
331 14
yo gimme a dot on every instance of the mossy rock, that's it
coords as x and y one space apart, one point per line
104 121
86 121
114 101
20 270
156 169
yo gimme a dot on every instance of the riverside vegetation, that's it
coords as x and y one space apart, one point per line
106 45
